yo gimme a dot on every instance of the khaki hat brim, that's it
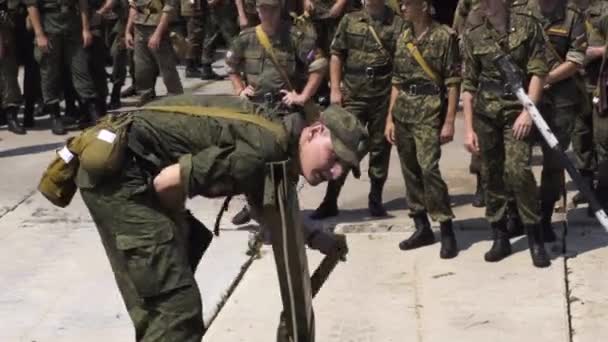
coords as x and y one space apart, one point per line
346 155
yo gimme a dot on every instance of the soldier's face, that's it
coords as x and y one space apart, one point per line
494 8
412 9
318 161
269 14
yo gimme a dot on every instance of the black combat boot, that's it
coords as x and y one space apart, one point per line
329 206
28 114
241 217
546 211
423 236
376 208
479 199
579 198
208 74
91 115
192 70
56 121
501 247
449 247
115 102
514 225
12 121
540 258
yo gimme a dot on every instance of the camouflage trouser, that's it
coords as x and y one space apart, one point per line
600 135
372 113
66 49
149 63
222 21
121 56
195 26
582 142
97 67
149 252
419 153
10 93
561 122
506 169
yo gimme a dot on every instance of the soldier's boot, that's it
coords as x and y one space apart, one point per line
376 208
501 247
423 236
130 91
91 114
192 70
479 199
115 102
329 206
208 74
145 98
449 247
546 211
28 115
514 225
540 258
241 217
57 126
12 121
579 198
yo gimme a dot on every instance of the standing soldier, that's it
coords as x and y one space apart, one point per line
10 94
147 33
582 139
566 43
195 13
426 71
501 126
221 23
248 16
62 34
97 54
362 60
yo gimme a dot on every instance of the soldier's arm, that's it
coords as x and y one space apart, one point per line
169 11
234 61
87 37
42 41
240 8
537 65
575 56
107 6
470 76
452 67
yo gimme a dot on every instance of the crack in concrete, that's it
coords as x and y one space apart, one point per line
13 208
567 280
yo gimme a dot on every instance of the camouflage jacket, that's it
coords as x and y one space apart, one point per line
358 49
461 15
57 16
482 44
296 52
596 23
190 8
565 30
150 11
440 51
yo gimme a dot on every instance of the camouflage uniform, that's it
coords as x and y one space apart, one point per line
149 63
418 115
561 103
154 251
367 68
97 54
121 56
62 25
222 22
600 119
195 13
505 160
296 52
10 94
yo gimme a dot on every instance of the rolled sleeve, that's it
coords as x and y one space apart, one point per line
234 56
537 61
578 43
453 63
338 45
470 67
30 3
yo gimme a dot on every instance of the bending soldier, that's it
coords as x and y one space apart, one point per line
426 71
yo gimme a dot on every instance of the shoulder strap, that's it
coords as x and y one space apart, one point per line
425 66
217 112
550 46
377 39
265 41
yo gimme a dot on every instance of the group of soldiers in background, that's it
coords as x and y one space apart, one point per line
393 65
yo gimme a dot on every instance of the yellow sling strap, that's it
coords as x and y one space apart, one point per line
425 66
217 112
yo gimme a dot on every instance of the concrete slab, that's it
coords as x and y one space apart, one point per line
588 257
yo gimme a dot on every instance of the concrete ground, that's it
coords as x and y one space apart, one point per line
56 284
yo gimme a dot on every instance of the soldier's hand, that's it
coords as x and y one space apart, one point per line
87 38
129 41
309 6
292 98
335 97
42 42
243 21
389 131
247 92
447 133
154 41
471 142
522 126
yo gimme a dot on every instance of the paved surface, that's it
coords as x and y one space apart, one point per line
56 284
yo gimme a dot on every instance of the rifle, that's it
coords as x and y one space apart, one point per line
511 74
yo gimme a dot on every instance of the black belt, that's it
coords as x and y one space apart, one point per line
494 86
421 89
370 72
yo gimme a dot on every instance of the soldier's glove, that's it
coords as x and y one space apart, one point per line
328 243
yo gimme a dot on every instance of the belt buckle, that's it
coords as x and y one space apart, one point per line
370 72
268 98
412 90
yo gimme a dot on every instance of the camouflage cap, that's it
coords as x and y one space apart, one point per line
268 3
348 136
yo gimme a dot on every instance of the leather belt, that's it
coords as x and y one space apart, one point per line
414 89
370 72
